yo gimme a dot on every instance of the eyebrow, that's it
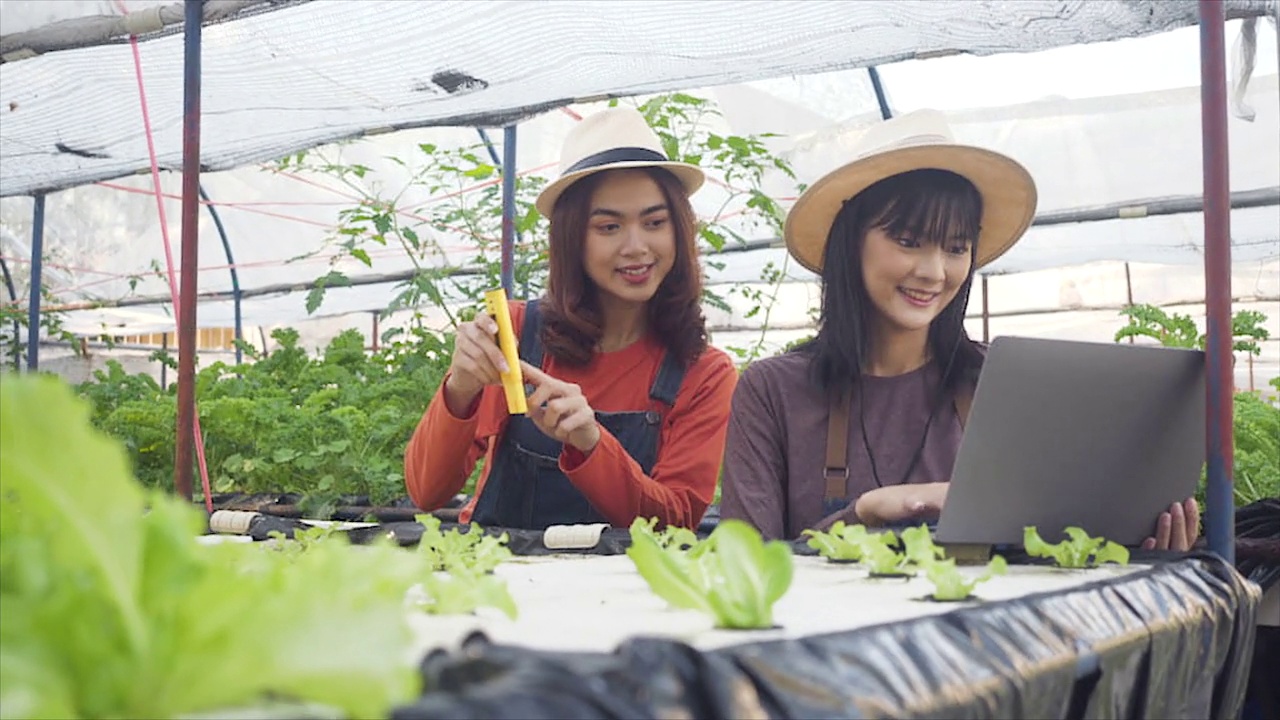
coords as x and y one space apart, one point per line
615 214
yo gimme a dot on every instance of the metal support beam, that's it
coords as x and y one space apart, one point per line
881 99
37 267
184 459
503 162
508 208
231 264
488 145
17 328
1220 525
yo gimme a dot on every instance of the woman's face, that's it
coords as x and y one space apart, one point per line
630 241
910 280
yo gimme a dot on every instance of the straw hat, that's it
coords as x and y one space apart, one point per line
915 141
610 140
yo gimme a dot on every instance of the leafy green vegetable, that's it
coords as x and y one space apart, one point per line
460 592
918 546
879 556
1256 472
671 537
733 575
1256 421
109 608
1180 331
841 542
472 550
1077 551
949 583
326 427
302 539
877 550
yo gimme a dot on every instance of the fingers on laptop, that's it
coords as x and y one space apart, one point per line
1176 529
1192 509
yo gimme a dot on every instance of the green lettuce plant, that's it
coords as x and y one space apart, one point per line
676 539
841 543
470 551
918 547
733 575
950 584
110 608
461 592
1077 551
880 557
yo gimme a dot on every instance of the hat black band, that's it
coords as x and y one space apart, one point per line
617 155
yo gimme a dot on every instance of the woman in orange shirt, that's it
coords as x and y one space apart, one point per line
629 408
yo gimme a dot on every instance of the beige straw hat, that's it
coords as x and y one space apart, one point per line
915 141
610 140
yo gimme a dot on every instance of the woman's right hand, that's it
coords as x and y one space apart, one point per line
477 362
901 503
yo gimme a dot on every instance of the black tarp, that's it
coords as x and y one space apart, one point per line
1171 641
1162 630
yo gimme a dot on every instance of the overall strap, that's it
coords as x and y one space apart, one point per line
836 471
667 384
964 402
531 334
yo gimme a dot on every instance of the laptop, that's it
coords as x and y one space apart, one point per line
1103 436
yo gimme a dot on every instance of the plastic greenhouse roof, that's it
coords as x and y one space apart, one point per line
1096 124
308 73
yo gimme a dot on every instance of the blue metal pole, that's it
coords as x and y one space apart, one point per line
508 195
37 267
1220 385
13 296
231 262
508 207
878 87
488 145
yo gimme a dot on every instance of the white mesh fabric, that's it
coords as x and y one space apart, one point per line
316 72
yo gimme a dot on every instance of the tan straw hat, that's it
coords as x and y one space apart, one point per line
915 141
610 140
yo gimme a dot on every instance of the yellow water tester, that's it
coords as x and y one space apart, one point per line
495 302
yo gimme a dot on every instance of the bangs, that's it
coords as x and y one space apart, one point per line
933 206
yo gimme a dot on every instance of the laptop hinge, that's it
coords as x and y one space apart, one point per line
967 553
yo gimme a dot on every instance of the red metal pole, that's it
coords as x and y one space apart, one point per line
184 460
1220 384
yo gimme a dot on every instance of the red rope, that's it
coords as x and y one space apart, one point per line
164 231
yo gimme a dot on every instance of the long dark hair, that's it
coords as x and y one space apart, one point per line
572 320
930 205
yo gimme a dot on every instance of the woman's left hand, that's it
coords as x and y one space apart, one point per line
1176 529
560 410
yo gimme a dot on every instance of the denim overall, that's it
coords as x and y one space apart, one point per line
525 488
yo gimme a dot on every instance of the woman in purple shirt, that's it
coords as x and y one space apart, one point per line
896 236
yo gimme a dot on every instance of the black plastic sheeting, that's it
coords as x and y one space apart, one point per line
1262 700
1173 641
1258 543
1257 530
613 541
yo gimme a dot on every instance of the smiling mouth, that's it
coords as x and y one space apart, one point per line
918 297
636 273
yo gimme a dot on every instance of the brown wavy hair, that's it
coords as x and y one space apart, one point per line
572 322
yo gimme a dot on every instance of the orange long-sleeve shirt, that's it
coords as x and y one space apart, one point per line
444 448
